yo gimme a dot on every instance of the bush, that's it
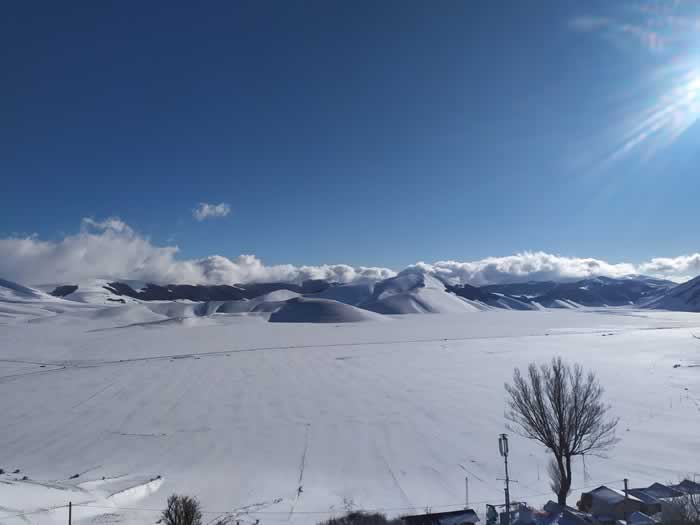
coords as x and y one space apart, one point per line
361 518
182 510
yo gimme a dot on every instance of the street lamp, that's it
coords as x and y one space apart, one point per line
503 445
503 449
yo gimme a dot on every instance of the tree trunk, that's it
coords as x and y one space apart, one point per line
565 481
563 487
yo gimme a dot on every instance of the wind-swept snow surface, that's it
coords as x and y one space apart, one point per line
295 422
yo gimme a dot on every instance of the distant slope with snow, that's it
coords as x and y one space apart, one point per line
496 300
593 292
101 291
352 293
414 293
307 310
684 297
11 291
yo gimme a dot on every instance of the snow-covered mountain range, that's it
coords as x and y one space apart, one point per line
409 292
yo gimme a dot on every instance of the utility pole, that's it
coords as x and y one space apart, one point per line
466 492
503 449
70 512
626 497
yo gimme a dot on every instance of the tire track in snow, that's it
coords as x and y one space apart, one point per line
302 467
69 365
395 480
95 394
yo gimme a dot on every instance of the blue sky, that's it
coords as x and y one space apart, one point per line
368 133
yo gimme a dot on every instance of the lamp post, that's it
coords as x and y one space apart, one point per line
503 449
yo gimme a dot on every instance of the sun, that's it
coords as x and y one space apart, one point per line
693 85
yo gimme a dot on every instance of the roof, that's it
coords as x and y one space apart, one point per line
639 518
660 491
643 495
455 517
657 492
556 514
611 496
687 487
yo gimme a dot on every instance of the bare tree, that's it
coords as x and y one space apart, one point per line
182 510
562 408
685 510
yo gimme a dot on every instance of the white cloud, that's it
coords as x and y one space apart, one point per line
111 249
683 266
205 210
527 266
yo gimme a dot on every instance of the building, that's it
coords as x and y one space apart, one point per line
609 505
455 517
661 502
556 514
657 503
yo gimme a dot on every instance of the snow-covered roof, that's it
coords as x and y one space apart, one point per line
662 491
644 496
639 518
456 517
611 496
556 514
687 487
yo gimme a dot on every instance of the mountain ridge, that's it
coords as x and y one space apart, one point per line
394 294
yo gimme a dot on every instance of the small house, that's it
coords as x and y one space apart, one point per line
609 505
555 514
455 517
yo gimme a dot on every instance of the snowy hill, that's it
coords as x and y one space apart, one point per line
353 293
414 292
594 292
102 291
305 310
528 289
11 291
93 291
684 297
497 300
410 292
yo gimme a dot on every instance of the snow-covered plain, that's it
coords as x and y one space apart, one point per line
387 413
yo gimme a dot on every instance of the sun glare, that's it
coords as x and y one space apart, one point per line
694 85
664 118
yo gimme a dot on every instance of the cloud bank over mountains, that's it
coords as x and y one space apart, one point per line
111 249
